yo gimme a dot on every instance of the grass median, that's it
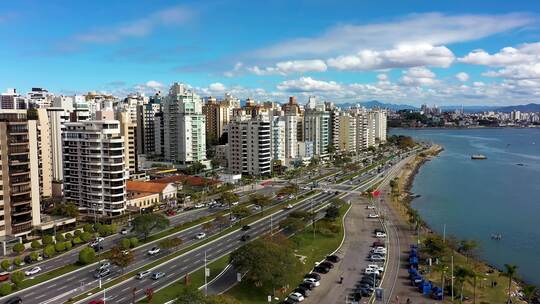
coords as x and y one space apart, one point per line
164 259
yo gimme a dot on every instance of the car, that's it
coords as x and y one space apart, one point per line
369 280
125 252
377 258
14 300
364 292
141 275
27 259
307 285
311 280
289 206
290 196
378 244
296 296
372 271
235 203
373 215
200 235
256 208
233 219
123 231
246 227
303 291
379 252
245 237
370 207
375 266
39 257
356 296
154 250
379 230
157 275
97 247
321 269
100 273
380 235
326 264
199 205
32 271
333 258
170 212
104 265
289 301
99 239
313 275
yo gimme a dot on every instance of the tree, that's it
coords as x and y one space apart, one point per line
87 256
292 224
260 200
461 274
434 246
47 240
146 223
189 295
196 168
122 259
5 289
125 244
68 236
332 213
68 245
88 228
17 277
59 247
105 230
467 247
170 243
134 242
49 250
222 221
229 197
59 237
267 263
510 272
6 264
62 209
240 212
86 236
77 240
18 248
529 291
17 261
207 226
34 256
289 189
35 244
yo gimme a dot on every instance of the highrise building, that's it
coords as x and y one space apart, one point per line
278 139
250 146
380 125
148 125
94 165
19 199
317 129
127 131
12 100
217 115
184 129
347 133
40 133
39 98
291 139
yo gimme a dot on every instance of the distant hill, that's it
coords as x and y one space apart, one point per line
377 104
531 107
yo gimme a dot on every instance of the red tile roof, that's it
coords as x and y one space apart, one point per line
140 186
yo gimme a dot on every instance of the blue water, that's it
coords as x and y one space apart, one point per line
476 198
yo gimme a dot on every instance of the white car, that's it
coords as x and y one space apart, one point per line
380 235
312 280
377 258
32 271
104 265
153 251
373 215
256 208
289 206
200 235
235 203
375 267
372 271
369 207
99 239
296 296
199 205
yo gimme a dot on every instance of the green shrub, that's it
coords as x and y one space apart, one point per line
86 236
125 243
47 240
77 240
59 247
17 277
68 236
60 238
6 264
77 233
35 244
88 228
18 248
134 242
18 261
49 250
87 256
5 289
34 256
68 245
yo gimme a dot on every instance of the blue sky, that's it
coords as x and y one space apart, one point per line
437 52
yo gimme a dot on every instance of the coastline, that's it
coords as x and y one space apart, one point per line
401 202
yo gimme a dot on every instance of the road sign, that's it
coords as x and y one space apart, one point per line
238 277
207 272
269 299
379 293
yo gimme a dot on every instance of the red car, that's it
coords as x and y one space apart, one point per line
171 212
96 302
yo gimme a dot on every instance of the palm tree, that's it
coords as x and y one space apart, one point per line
529 291
461 275
509 271
467 247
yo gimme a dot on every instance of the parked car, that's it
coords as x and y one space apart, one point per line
143 274
378 244
200 235
316 283
326 264
303 291
157 275
379 230
154 250
372 271
370 207
333 258
373 215
4 276
27 259
199 205
377 258
14 300
246 227
313 275
256 208
380 235
296 296
123 231
104 265
321 269
307 285
289 207
376 267
245 237
100 273
32 271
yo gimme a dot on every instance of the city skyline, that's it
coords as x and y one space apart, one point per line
470 54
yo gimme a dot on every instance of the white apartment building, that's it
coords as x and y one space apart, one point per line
278 139
346 140
380 125
94 165
250 146
39 98
148 124
184 126
317 130
127 131
291 140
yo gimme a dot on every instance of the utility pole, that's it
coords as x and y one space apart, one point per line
205 277
452 257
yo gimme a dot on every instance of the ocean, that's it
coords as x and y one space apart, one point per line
478 198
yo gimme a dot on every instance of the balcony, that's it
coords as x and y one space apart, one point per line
26 201
22 211
21 227
19 181
17 150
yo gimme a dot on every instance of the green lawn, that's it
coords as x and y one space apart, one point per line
314 248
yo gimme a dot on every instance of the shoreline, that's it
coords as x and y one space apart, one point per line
405 197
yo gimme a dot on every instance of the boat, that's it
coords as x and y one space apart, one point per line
520 164
478 156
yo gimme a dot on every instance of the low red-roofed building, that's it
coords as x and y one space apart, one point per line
145 194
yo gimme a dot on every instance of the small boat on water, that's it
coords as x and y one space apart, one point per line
520 164
496 237
478 156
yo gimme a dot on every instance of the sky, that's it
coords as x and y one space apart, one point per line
409 52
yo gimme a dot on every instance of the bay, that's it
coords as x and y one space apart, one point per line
478 198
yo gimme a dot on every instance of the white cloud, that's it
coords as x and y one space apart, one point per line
154 84
478 84
137 28
520 71
523 54
418 77
402 56
236 69
308 84
430 28
382 77
217 87
462 76
290 67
